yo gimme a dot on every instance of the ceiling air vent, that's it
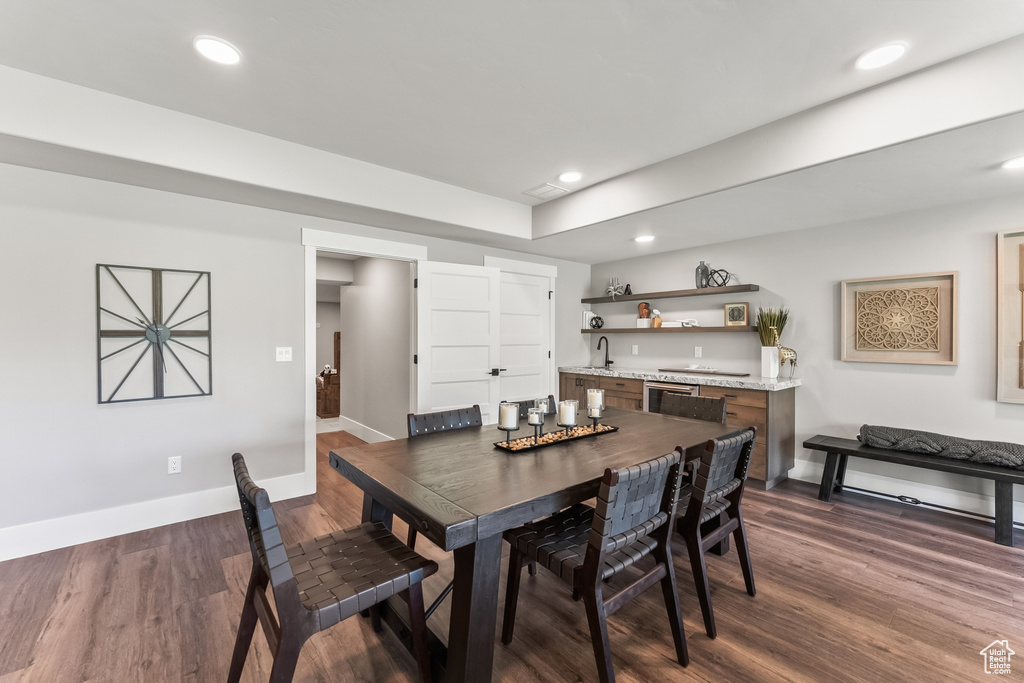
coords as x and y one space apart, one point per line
547 191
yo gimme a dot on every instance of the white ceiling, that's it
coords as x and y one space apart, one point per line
500 96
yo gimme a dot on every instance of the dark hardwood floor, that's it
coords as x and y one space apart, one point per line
858 589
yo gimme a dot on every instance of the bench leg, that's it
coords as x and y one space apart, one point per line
828 477
841 475
1004 513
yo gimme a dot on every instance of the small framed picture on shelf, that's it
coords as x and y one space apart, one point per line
736 314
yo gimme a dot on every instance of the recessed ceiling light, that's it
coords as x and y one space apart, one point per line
1017 162
217 50
882 55
570 176
644 238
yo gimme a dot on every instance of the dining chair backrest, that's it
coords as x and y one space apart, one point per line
428 423
264 535
694 407
723 467
524 407
634 501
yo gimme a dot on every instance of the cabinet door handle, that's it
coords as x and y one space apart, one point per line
728 413
620 384
730 395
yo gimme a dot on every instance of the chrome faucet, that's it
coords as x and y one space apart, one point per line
606 345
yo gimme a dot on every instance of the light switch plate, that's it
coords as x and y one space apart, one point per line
636 349
284 354
698 352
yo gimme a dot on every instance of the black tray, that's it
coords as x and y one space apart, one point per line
503 445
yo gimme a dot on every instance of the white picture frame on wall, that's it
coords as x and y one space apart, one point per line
1010 317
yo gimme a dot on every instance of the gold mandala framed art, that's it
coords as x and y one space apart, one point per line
1010 317
900 319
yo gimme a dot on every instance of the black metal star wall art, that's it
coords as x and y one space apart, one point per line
153 336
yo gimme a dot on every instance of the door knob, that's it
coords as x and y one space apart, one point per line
494 371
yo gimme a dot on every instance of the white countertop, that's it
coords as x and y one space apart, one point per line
761 383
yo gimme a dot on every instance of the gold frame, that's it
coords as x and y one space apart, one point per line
948 323
1010 317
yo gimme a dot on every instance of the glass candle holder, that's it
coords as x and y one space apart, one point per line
535 417
508 419
567 414
543 404
595 399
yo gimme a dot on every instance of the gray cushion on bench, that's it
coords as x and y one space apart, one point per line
913 441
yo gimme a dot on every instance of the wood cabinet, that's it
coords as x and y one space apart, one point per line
627 394
328 396
574 387
774 414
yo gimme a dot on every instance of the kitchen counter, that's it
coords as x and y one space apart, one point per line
758 383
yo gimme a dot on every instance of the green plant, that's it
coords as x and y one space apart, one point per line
770 321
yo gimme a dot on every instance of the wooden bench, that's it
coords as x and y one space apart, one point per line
838 451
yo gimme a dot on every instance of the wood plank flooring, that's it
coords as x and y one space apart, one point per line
858 589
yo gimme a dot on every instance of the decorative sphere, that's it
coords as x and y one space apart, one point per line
597 322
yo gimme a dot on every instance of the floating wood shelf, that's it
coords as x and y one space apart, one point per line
730 289
646 330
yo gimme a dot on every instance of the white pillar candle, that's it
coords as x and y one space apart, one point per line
508 416
543 404
593 411
535 416
595 398
567 413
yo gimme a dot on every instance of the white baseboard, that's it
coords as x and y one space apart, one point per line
362 431
808 470
50 534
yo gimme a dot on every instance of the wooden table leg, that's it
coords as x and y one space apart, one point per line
1004 513
828 477
474 611
841 473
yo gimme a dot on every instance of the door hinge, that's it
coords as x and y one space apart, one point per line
415 359
415 282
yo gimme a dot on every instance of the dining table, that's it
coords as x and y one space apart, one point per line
462 492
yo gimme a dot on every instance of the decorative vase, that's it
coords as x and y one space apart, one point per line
770 361
702 274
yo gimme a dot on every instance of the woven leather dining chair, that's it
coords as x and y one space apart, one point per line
585 546
694 407
717 491
524 406
319 582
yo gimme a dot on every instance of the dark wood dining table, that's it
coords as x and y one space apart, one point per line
461 492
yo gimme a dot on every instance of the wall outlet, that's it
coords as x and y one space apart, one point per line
284 354
698 351
636 349
174 464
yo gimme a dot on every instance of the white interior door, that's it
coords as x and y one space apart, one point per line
458 324
525 336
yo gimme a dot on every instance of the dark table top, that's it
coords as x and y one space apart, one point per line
456 487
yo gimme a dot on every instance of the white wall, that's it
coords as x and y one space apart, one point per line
328 320
802 270
72 470
376 361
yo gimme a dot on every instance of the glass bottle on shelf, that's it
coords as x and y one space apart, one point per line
702 275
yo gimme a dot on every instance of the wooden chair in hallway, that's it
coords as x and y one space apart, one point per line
320 582
585 546
717 491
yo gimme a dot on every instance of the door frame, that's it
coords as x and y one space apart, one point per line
322 240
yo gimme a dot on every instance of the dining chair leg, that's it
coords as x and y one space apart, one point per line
375 619
418 628
411 539
515 570
700 580
597 618
533 569
740 535
675 614
286 658
246 627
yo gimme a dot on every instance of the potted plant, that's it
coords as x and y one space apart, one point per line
771 321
